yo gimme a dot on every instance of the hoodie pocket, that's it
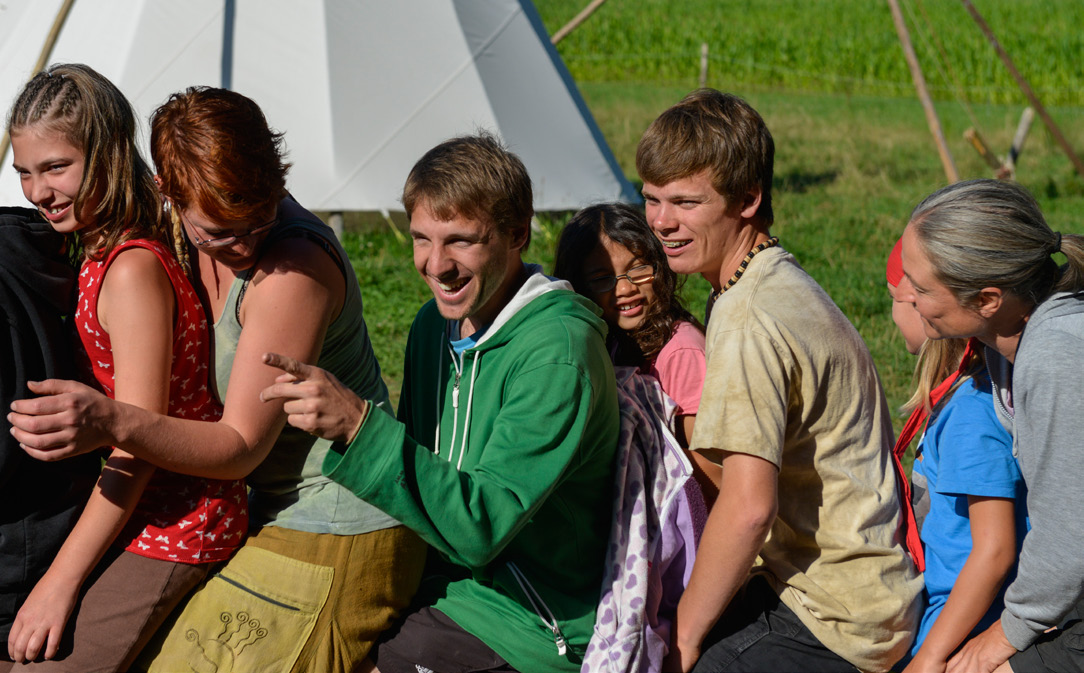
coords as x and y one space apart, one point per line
545 615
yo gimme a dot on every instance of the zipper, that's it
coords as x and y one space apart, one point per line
257 594
539 605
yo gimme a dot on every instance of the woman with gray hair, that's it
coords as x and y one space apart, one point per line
979 256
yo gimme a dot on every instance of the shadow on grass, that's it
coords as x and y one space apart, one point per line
799 182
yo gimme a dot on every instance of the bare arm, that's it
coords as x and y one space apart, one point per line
315 401
683 426
295 295
993 551
734 534
135 307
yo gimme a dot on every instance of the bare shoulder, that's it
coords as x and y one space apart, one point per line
136 277
136 265
136 290
299 259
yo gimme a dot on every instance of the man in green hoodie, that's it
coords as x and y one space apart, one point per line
501 458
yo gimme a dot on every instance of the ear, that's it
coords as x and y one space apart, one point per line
521 235
157 181
751 204
989 301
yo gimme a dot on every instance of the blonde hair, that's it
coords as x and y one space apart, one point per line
938 359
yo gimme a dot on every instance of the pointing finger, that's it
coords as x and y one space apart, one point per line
288 365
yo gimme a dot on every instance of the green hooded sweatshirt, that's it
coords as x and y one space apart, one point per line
502 460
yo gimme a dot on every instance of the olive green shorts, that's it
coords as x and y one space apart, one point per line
293 601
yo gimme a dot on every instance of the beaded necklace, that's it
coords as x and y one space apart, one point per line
771 242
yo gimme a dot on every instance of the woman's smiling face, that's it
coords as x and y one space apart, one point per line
942 313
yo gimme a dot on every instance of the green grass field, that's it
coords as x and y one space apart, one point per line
851 161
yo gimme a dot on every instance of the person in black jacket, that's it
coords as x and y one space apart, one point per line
39 502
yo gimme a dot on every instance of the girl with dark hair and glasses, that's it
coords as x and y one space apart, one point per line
610 255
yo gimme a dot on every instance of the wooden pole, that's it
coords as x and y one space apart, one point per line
576 21
1025 87
43 58
703 65
923 93
982 148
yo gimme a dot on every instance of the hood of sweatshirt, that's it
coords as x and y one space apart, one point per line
31 261
536 293
1062 311
1057 305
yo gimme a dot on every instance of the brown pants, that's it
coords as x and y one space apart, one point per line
124 601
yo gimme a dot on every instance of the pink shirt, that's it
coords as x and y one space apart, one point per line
680 368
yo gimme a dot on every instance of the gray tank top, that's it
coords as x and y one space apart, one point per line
288 488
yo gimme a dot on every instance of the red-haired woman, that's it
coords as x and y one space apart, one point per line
322 572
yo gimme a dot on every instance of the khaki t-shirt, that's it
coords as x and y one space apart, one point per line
790 380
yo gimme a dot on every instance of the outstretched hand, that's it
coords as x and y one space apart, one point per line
316 401
68 419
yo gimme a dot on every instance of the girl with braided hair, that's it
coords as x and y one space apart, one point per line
146 536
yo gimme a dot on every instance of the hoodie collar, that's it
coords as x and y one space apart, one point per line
536 285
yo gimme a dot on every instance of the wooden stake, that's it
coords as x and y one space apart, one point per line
1021 135
923 93
1025 87
335 221
703 65
983 149
43 58
576 21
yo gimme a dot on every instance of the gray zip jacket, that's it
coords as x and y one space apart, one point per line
1040 400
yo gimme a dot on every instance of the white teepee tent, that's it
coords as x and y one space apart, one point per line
362 88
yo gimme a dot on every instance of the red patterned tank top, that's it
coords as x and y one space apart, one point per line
179 518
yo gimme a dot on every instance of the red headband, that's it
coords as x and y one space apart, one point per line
894 269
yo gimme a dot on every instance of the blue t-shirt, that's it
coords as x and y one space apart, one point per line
965 451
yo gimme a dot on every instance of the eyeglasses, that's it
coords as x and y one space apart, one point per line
637 275
222 241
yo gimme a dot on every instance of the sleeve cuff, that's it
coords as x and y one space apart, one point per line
358 465
1017 632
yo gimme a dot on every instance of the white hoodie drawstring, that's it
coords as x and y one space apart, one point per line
531 594
457 362
466 419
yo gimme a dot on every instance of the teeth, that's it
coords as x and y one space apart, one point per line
451 288
674 244
624 308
